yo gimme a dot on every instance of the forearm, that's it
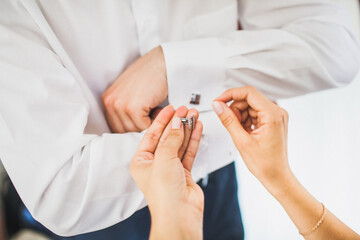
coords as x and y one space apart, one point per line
264 152
65 191
305 211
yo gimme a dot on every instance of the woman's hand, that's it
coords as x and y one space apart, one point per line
258 128
175 201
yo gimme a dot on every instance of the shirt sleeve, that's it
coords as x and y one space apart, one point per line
68 177
286 48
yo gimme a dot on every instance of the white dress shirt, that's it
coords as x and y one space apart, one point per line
57 57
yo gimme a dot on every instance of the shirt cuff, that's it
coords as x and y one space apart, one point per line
194 66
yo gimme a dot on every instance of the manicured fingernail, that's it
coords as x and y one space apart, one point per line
176 123
217 108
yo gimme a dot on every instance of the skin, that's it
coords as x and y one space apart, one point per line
164 176
258 128
146 77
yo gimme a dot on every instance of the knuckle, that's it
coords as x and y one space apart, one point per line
161 121
126 107
118 104
275 121
272 117
174 140
191 153
276 113
228 91
280 112
167 150
278 116
168 153
227 120
250 88
176 133
132 109
107 100
152 136
285 114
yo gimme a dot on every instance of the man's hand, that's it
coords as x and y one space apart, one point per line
258 128
175 201
139 89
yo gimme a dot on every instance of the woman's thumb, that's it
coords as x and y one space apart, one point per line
230 122
173 141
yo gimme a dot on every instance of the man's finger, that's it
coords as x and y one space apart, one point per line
141 120
134 118
126 122
230 122
252 96
113 121
153 134
170 148
193 146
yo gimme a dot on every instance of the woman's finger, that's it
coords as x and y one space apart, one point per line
193 146
239 107
249 94
231 123
247 125
170 148
153 134
244 116
180 112
187 132
252 113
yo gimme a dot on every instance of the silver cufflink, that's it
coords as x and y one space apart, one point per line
189 121
195 98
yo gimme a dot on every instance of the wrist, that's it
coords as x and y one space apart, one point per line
160 60
180 222
279 185
160 66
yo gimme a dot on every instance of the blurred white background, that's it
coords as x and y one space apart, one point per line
324 153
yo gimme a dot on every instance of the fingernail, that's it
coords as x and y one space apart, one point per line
176 123
217 108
